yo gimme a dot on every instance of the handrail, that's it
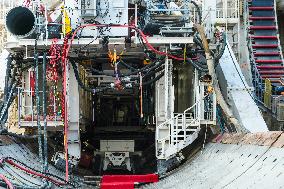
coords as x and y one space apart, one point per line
184 112
175 135
258 81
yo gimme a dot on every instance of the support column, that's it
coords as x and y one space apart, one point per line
73 110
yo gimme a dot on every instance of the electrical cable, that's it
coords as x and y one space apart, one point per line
6 106
58 183
126 65
154 80
96 90
8 72
40 151
44 104
18 177
8 183
47 174
120 26
64 104
147 68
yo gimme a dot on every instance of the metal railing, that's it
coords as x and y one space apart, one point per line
227 13
181 126
263 89
5 6
27 109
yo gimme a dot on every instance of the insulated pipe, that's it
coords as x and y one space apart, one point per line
20 21
211 69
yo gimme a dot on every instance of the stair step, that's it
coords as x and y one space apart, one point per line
268 61
261 8
262 18
272 72
271 76
270 67
267 54
265 46
263 28
264 37
277 81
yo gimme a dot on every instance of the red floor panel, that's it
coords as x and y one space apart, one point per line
126 181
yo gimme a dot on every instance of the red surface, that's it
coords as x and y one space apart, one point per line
264 37
272 72
263 27
261 8
265 46
262 18
267 54
126 181
9 184
271 76
270 67
32 82
268 61
118 185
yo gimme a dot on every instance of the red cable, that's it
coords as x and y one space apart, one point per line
122 26
34 173
66 50
64 104
9 184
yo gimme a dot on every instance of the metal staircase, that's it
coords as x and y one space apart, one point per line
265 51
181 129
176 133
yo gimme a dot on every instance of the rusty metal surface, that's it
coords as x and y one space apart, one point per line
274 138
5 140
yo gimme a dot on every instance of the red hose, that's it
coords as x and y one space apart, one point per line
35 173
9 184
64 104
122 26
66 50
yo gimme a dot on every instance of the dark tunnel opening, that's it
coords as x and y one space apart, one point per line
20 21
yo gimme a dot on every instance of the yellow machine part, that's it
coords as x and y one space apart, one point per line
267 93
66 29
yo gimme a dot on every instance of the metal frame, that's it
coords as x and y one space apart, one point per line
182 129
